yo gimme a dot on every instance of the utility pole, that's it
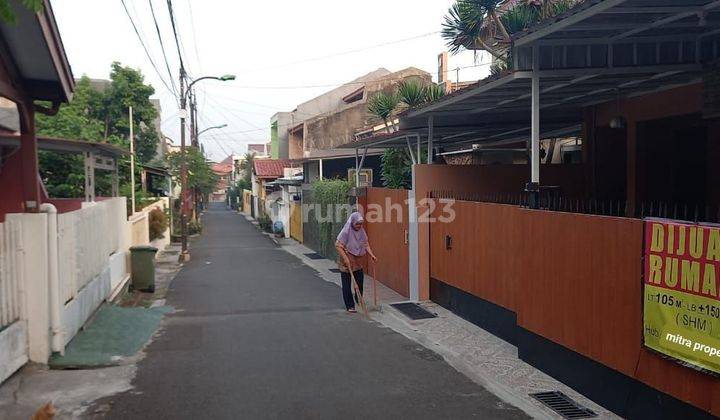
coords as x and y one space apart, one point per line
132 160
193 119
193 193
194 141
184 254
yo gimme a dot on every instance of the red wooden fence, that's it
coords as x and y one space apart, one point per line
573 279
388 235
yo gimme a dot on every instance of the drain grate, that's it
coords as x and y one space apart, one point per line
413 310
564 405
314 256
334 270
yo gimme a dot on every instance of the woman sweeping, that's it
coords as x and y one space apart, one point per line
352 247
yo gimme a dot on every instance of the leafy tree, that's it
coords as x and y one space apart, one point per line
63 174
127 89
200 174
96 114
74 120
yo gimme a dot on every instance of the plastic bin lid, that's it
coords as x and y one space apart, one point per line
143 248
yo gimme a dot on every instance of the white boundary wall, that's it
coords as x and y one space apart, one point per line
10 247
13 330
92 246
89 247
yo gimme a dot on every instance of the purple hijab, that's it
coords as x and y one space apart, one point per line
355 241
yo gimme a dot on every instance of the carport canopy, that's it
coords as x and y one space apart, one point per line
597 52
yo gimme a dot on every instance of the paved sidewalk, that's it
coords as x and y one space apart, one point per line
483 357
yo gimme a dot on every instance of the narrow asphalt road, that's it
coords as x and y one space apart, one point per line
257 334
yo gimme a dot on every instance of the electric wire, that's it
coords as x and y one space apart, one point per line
147 53
353 51
331 85
162 47
194 35
175 33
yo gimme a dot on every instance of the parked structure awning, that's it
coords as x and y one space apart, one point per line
68 146
597 52
102 156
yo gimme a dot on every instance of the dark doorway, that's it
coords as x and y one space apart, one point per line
671 162
610 147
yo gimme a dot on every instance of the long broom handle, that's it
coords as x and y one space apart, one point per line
374 275
359 293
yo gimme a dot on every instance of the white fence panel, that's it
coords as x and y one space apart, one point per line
67 271
86 239
9 273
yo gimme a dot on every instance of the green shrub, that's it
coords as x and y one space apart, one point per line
332 196
331 191
157 224
265 222
194 227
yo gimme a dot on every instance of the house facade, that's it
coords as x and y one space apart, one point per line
224 171
265 193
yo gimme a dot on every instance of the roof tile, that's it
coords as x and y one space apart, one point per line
271 168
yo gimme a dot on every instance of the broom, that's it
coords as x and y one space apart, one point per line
358 293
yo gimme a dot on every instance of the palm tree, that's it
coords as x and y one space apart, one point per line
475 25
433 92
382 105
489 24
412 92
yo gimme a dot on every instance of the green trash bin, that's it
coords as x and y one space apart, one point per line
142 261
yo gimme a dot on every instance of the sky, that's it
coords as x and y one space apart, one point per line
283 53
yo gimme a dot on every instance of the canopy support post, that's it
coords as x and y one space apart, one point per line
410 150
357 168
430 140
419 155
533 187
115 180
89 177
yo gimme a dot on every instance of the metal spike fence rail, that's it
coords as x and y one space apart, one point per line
552 201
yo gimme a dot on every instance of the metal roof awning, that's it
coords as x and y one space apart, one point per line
503 104
68 146
598 52
625 20
152 170
487 136
296 180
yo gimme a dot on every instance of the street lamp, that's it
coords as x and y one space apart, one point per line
211 128
185 255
